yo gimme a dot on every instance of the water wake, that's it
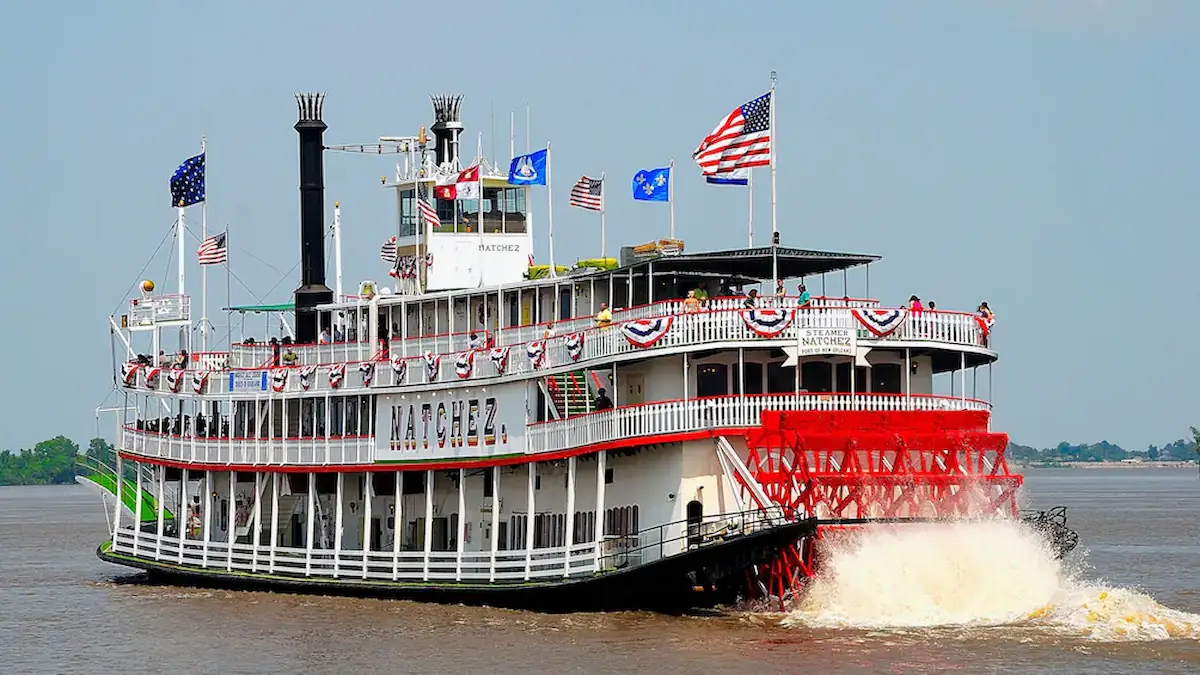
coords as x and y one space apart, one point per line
980 573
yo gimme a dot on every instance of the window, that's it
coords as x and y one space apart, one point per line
752 378
885 378
712 379
408 214
816 377
608 476
413 483
780 380
487 482
843 378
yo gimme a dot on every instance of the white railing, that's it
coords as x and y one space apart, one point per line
600 344
540 563
147 311
629 422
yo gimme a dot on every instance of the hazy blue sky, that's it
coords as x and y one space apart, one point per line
1042 156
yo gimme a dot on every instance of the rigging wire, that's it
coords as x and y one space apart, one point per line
145 267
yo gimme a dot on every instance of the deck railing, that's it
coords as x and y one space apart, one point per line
661 419
599 344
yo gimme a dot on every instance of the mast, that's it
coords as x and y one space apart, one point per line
204 268
337 251
312 291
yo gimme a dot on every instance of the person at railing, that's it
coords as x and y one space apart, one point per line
986 313
702 296
181 360
751 299
805 297
691 304
602 401
274 352
324 337
604 316
932 306
914 305
477 342
779 290
163 361
290 358
549 332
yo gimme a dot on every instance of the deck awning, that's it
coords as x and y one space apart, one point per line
757 262
284 307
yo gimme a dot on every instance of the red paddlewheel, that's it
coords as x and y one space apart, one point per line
782 577
858 464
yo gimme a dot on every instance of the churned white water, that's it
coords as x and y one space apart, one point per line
978 573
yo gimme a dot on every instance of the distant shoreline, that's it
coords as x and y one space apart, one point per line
1178 464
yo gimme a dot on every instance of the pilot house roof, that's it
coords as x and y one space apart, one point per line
757 262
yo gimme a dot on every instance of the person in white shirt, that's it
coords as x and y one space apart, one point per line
324 338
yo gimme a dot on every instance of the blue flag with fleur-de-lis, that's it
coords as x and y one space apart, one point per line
187 185
652 185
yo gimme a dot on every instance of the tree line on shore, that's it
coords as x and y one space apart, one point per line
52 462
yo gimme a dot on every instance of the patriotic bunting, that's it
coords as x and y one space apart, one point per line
306 376
279 378
174 381
433 365
881 322
152 374
336 373
767 323
367 370
574 346
499 357
199 380
399 368
464 364
536 351
129 373
645 332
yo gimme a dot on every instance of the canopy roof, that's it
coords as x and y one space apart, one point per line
285 307
757 262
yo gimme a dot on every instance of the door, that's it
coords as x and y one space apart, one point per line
565 310
695 515
376 534
632 385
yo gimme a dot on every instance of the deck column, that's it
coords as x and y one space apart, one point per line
161 472
137 509
231 532
529 520
120 485
257 528
308 539
397 525
365 530
274 521
337 525
428 522
601 470
962 372
206 502
907 380
182 519
495 520
570 516
462 523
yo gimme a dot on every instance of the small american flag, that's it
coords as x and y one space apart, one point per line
214 250
588 193
740 141
428 213
387 252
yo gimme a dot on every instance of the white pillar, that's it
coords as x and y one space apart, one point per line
182 518
337 524
274 520
206 501
462 520
495 519
231 532
907 380
308 538
601 470
529 520
137 509
428 521
365 530
162 492
685 376
398 525
120 483
570 535
256 529
962 372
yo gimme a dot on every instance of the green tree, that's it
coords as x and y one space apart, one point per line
49 462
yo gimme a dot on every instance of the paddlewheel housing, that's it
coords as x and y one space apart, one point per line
848 467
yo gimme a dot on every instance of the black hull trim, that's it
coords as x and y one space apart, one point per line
704 577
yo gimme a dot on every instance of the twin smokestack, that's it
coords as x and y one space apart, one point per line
312 292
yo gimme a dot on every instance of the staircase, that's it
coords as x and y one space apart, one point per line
100 475
572 393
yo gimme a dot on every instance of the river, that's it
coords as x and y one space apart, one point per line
964 599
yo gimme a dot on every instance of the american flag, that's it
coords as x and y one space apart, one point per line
214 250
588 193
428 213
740 141
387 252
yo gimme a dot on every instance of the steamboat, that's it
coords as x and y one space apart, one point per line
664 429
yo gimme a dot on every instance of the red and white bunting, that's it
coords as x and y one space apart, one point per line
129 373
174 380
433 365
337 372
881 322
536 351
574 343
199 380
464 364
152 374
306 376
499 357
645 332
367 370
399 369
279 378
767 323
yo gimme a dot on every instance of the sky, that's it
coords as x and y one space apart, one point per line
1041 156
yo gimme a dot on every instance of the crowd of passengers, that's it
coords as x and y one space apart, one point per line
345 420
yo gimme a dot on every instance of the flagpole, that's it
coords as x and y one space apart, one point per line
603 231
550 212
179 230
203 236
337 251
774 222
228 289
671 193
750 218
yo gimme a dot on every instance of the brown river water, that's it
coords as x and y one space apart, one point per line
975 598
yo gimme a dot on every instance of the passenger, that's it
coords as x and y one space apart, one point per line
691 304
549 332
604 316
182 359
274 352
602 402
932 306
805 296
914 304
751 299
702 296
779 290
986 313
290 358
477 342
324 338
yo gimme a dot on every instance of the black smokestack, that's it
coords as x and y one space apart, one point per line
312 290
446 126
